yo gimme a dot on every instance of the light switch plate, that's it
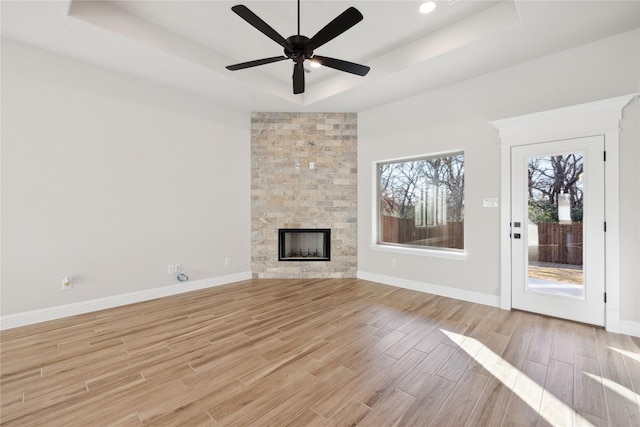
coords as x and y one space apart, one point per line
490 202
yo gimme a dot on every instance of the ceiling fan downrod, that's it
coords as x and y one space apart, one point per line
298 17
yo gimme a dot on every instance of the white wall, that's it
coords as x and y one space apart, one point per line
458 116
109 179
630 211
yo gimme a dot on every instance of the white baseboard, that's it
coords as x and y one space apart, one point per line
445 291
58 312
626 327
10 321
629 327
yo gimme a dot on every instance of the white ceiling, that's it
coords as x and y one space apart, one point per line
187 44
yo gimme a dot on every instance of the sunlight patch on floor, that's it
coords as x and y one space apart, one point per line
630 395
630 354
552 409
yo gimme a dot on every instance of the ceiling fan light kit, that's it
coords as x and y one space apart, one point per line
299 48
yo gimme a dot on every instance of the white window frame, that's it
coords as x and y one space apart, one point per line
428 251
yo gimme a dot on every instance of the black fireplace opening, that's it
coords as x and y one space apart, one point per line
304 244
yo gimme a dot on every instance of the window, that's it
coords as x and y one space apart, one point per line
421 202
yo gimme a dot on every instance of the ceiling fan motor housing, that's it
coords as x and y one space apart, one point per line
300 52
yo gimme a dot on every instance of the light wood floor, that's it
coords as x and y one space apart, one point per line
317 353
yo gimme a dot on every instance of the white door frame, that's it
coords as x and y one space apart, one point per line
590 119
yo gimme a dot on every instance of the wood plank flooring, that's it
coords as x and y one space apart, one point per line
316 352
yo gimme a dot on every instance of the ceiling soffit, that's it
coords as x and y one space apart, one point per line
163 32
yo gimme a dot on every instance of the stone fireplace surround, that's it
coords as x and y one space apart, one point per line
303 175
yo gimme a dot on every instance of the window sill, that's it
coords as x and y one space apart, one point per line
458 256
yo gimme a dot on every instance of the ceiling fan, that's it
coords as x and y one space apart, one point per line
299 47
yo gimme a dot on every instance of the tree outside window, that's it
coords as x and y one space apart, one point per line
421 202
551 179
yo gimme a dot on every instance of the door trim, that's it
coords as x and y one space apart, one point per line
590 119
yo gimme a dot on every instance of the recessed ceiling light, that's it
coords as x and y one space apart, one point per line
427 7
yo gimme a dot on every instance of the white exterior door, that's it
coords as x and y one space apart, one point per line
557 229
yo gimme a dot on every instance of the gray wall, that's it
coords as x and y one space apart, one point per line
109 179
456 117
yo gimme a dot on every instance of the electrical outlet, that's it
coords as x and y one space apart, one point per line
67 283
170 269
227 261
393 262
178 268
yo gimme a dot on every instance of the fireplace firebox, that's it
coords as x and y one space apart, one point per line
304 244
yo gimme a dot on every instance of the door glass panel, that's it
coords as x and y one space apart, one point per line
554 230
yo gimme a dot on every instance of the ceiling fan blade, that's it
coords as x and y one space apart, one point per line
253 19
333 29
255 63
298 78
339 64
